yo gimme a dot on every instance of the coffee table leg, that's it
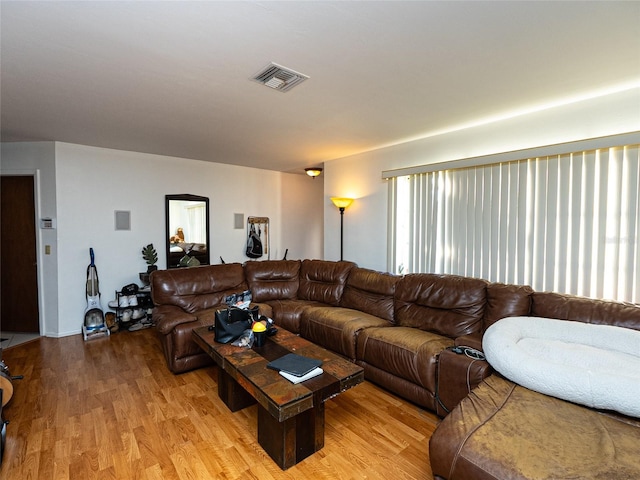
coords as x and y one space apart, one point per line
232 394
294 439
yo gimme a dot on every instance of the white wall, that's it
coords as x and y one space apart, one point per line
38 159
359 176
302 203
83 186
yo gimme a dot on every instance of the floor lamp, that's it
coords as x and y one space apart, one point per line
341 203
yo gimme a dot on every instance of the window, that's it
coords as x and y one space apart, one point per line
568 223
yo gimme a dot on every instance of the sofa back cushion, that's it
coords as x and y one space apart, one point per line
370 292
587 310
448 305
196 288
323 281
505 300
273 279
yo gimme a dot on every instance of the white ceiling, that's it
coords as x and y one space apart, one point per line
173 78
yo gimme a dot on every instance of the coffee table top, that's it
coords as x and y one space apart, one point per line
281 398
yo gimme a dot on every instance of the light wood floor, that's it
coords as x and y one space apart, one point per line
110 408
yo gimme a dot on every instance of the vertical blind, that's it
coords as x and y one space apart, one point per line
568 223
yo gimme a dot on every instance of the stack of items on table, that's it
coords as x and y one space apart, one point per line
296 368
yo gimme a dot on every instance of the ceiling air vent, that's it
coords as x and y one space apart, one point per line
279 78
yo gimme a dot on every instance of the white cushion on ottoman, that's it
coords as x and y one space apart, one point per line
593 365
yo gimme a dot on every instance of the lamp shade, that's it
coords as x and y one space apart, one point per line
341 202
313 172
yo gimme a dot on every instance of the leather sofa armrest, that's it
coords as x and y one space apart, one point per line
167 317
473 340
457 376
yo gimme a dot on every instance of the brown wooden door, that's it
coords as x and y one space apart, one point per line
19 282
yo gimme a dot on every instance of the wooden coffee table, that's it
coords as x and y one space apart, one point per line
290 416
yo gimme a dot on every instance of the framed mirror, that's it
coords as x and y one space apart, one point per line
187 235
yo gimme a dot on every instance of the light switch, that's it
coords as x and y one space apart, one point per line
47 249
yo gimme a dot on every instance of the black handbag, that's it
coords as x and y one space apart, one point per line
254 244
229 324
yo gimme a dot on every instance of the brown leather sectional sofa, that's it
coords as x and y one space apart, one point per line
395 327
399 329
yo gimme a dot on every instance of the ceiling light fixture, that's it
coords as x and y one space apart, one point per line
313 172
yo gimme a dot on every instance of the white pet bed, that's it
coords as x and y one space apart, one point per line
593 365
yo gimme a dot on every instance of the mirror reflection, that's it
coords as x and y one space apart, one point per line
187 221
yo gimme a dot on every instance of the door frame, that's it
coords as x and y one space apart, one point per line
35 173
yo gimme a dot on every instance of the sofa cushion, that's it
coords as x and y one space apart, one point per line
197 288
401 387
504 300
287 313
587 310
405 352
448 305
166 317
337 328
273 279
370 292
323 281
503 430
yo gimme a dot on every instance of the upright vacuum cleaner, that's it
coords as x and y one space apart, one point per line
94 325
